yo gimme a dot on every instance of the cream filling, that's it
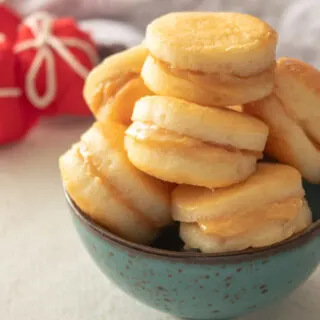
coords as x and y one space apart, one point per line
151 133
215 79
244 222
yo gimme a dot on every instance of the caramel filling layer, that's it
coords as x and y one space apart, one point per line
149 132
212 78
107 91
241 223
92 166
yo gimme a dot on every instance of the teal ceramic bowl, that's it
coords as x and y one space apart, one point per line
204 286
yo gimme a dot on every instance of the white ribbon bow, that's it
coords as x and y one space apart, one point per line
46 42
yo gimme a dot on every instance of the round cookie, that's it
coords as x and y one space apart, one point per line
113 87
292 113
210 58
265 209
105 185
182 142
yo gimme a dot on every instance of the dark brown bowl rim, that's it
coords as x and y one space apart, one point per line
195 257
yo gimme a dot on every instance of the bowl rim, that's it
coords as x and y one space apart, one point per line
194 257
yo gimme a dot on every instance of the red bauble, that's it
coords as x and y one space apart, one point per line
15 117
54 57
9 22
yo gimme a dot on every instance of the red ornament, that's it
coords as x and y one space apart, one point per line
15 117
54 58
9 22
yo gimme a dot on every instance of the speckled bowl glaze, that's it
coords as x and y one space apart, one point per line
203 286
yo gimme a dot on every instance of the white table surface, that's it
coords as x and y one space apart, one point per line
45 273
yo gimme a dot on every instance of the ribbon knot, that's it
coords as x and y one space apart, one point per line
44 29
46 43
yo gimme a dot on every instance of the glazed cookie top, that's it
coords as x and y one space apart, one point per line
124 64
271 183
213 42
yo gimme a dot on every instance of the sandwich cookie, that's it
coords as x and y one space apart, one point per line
210 58
292 113
182 142
267 208
113 87
105 185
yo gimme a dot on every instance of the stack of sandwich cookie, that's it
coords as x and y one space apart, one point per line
198 63
195 106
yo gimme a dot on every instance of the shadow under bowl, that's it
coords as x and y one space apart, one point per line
204 286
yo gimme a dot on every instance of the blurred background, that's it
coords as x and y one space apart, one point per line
44 271
123 21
